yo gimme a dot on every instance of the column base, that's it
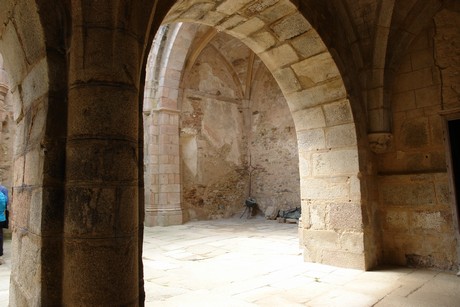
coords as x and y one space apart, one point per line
168 217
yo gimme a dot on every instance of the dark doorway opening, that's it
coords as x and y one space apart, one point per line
454 139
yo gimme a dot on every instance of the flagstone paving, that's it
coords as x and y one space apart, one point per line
255 262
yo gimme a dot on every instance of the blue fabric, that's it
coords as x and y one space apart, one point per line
3 201
4 190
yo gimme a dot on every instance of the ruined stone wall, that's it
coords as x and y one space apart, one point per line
272 146
213 146
417 219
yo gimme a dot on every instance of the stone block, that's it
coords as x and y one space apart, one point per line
320 240
338 113
33 167
427 221
231 22
403 101
414 80
258 6
28 25
317 95
311 140
344 259
404 191
308 44
428 96
341 136
307 119
212 18
93 260
443 193
337 162
34 85
290 26
414 133
248 27
324 188
260 41
277 11
345 217
279 57
229 7
196 11
287 80
317 216
396 220
316 69
352 242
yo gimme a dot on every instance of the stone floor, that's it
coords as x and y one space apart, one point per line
240 262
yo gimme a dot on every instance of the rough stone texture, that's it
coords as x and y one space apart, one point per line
225 144
413 195
76 72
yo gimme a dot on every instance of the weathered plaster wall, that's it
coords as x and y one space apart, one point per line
213 145
272 146
417 219
235 127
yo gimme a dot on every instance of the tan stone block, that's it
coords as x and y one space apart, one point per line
290 26
308 44
248 27
277 11
196 11
213 18
229 7
316 69
173 198
309 118
396 220
311 140
169 188
326 92
258 6
337 162
321 240
231 22
33 86
33 167
345 216
324 189
317 216
279 56
287 80
260 41
341 136
427 221
352 242
402 191
343 259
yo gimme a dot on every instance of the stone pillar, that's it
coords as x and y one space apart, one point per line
164 207
101 218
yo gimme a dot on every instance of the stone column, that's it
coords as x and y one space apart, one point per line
101 218
164 207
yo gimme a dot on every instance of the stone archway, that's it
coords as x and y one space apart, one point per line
334 230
